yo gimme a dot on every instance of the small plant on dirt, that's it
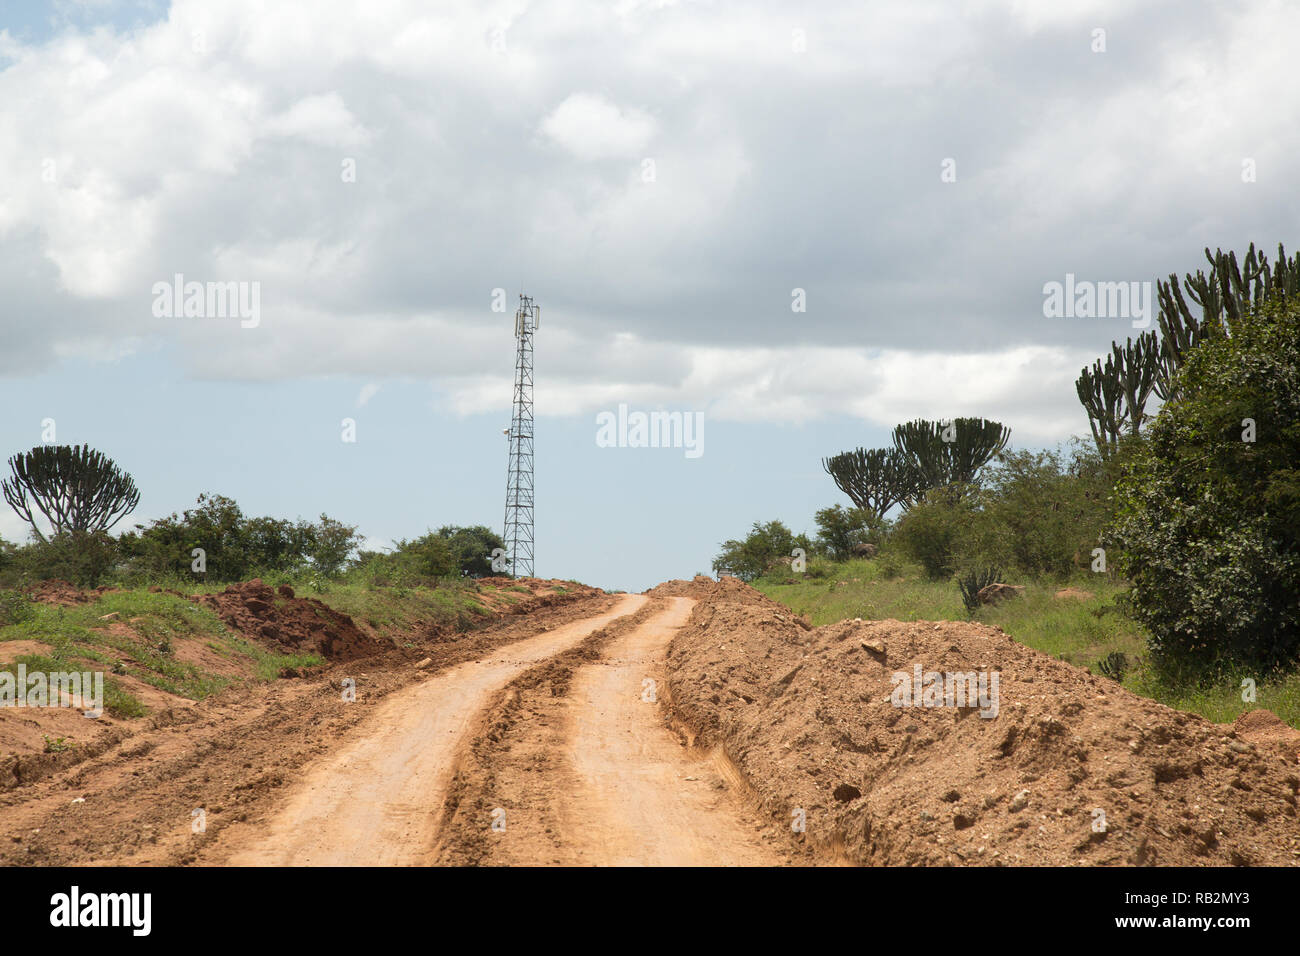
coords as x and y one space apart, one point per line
119 668
119 703
1113 665
15 608
974 581
56 745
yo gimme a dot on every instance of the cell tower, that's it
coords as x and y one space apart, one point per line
519 479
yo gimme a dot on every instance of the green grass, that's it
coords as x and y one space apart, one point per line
79 636
453 603
1078 632
117 701
1222 702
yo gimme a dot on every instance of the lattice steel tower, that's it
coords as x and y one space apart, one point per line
519 479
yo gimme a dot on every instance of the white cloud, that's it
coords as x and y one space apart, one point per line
1030 388
323 120
499 144
591 127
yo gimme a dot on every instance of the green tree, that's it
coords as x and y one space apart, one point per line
75 489
1042 511
940 529
839 529
329 544
948 453
1209 518
874 479
428 556
472 547
1226 295
764 546
1115 394
236 547
81 557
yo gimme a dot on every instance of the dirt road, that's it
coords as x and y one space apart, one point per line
375 801
622 790
553 720
636 796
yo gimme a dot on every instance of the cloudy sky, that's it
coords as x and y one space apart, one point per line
806 221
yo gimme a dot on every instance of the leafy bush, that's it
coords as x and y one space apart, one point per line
1209 523
237 547
449 552
80 557
428 556
1043 511
15 608
329 544
765 545
936 529
839 529
472 548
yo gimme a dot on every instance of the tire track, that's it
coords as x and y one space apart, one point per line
377 800
577 754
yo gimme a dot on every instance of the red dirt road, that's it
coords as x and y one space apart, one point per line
375 801
637 796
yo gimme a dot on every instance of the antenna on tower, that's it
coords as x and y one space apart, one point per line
518 533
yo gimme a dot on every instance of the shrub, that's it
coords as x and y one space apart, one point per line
765 545
428 556
80 557
237 547
472 548
933 529
1209 520
1037 512
15 608
1041 510
329 544
840 528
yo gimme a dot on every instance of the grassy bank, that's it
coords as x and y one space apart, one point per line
142 638
149 637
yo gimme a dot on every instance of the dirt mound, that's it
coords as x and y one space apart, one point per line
1067 768
58 591
288 623
702 588
1266 729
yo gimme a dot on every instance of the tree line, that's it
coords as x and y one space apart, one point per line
1197 502
82 494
